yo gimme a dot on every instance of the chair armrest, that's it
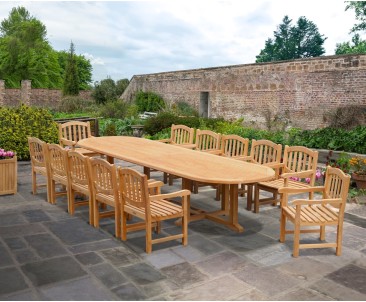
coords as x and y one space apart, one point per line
180 193
301 174
274 165
154 186
303 202
187 146
165 140
290 190
215 152
244 158
68 142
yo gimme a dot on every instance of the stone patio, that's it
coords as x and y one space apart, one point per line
46 254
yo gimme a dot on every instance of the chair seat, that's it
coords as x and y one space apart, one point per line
61 179
314 214
279 183
160 210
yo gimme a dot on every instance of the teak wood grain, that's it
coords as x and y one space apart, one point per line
189 164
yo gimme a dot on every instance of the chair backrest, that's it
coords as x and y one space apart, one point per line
336 185
133 188
298 159
70 133
234 146
265 152
57 160
103 178
36 151
78 169
207 140
181 134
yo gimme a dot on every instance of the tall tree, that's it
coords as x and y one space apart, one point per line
302 40
25 52
104 91
71 80
84 68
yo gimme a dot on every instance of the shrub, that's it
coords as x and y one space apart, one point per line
114 109
20 122
149 101
72 104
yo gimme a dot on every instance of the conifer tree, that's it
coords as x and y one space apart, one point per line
71 81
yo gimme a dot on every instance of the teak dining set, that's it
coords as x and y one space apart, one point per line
84 166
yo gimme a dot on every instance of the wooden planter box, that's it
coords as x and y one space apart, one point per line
8 176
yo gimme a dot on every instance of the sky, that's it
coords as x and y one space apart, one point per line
126 38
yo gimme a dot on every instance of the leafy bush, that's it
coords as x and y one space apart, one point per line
72 104
149 101
184 109
114 109
20 122
111 127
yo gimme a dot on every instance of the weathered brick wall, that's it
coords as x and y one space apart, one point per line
300 92
35 97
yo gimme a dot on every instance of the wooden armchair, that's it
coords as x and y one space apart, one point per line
37 155
79 182
236 147
181 136
298 162
70 133
263 152
207 141
329 210
152 209
103 179
57 166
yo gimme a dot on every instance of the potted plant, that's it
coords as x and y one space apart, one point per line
358 165
8 172
137 127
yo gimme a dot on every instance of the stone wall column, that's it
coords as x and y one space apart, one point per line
2 92
26 90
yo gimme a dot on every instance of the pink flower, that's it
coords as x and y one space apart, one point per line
307 179
318 174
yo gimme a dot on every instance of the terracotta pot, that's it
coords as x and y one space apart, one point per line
360 180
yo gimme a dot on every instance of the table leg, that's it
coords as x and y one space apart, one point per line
110 159
147 172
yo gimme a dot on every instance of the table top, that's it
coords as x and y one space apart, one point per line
182 162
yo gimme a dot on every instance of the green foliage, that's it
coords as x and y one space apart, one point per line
25 52
292 42
121 86
149 101
184 109
76 104
84 68
360 12
71 80
104 91
20 122
114 109
112 127
359 46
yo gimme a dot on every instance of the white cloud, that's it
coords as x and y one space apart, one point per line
123 38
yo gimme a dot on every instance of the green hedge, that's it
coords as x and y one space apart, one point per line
325 138
17 123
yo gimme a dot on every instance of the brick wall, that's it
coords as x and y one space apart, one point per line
299 92
35 97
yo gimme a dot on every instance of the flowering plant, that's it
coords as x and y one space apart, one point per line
318 175
6 154
358 164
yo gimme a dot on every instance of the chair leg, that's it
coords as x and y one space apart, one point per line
158 227
283 227
296 240
339 239
148 237
322 233
96 214
165 177
124 225
185 223
218 193
256 199
34 183
275 196
71 202
117 220
53 192
250 196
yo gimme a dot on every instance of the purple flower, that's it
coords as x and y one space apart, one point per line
307 179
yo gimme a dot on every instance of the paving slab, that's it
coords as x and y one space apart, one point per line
184 274
120 256
108 275
142 274
36 215
11 280
89 258
5 257
351 276
129 292
45 245
52 270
